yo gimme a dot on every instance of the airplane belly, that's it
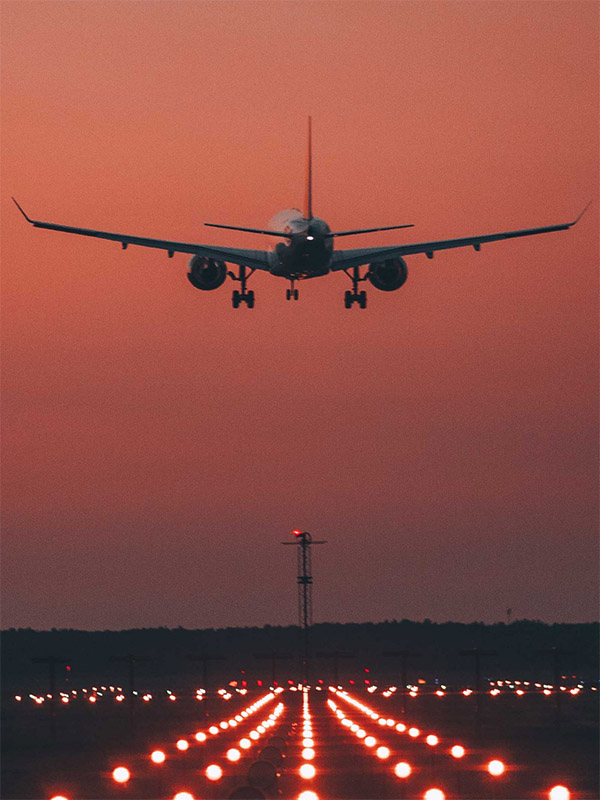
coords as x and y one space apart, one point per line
299 263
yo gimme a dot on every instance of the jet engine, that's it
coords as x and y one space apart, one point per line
206 274
388 275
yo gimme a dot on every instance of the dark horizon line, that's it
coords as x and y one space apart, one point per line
424 622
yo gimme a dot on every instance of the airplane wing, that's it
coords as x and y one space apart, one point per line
346 259
255 259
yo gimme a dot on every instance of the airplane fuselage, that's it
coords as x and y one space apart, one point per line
307 250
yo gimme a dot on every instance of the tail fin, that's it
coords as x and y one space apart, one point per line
308 188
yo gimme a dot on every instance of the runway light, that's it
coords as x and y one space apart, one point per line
200 737
370 741
308 754
432 740
157 756
245 744
307 743
58 797
121 774
233 754
400 727
495 767
457 751
402 769
383 752
183 796
307 771
308 795
182 744
213 729
414 732
213 772
559 792
434 794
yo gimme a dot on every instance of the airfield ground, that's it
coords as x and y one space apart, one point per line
92 738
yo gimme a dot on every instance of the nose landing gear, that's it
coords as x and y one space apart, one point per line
354 296
243 296
291 293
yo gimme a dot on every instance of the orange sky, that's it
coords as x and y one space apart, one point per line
158 445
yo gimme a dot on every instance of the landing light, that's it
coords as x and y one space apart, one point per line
310 238
213 772
121 774
402 769
434 794
307 771
559 793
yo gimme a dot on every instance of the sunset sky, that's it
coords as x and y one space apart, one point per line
158 445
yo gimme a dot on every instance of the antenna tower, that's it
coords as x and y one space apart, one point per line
303 542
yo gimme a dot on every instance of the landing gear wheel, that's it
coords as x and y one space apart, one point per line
362 299
288 294
348 299
295 294
250 299
235 299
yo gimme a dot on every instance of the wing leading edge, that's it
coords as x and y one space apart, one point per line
256 259
346 259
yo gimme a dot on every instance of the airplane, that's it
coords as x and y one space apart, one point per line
307 252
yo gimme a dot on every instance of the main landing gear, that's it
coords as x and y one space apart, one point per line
354 296
291 294
243 296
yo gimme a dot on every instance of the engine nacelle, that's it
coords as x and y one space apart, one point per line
388 275
206 274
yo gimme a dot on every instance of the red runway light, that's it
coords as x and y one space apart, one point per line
402 769
213 772
307 771
496 768
121 774
559 792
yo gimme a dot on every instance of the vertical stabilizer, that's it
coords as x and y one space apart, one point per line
308 188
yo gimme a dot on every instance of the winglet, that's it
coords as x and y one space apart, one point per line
582 213
21 210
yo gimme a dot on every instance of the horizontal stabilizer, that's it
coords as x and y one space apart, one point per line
249 230
367 230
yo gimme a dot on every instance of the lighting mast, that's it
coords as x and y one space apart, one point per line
303 542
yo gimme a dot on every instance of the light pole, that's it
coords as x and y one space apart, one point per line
303 542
